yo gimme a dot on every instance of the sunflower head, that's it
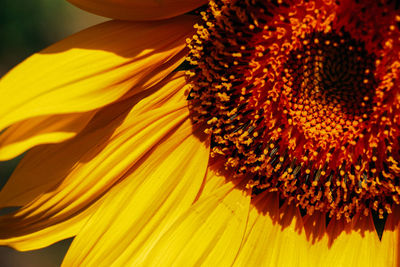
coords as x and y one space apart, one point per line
301 96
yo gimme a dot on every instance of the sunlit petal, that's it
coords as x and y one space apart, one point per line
149 200
93 68
68 178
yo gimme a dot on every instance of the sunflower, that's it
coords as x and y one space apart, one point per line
245 133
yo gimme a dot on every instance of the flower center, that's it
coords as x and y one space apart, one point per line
328 86
302 97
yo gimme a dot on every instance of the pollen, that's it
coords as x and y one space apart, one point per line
302 97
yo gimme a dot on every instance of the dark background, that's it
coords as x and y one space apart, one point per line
26 27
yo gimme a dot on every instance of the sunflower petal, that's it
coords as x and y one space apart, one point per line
152 196
41 130
48 165
47 234
361 243
138 9
208 234
215 178
73 175
281 237
274 236
93 68
391 238
256 247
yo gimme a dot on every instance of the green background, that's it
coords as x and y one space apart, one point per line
26 27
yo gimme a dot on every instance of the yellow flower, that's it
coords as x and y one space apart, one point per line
278 146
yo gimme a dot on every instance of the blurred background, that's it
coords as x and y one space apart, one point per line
27 27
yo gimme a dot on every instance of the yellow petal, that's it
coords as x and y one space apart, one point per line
73 175
274 237
43 167
209 234
280 237
216 177
48 165
358 244
138 9
48 232
41 130
93 68
151 197
258 241
391 238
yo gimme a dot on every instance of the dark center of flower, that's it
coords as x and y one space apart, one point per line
328 86
302 98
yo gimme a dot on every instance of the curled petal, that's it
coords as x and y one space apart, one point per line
138 9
